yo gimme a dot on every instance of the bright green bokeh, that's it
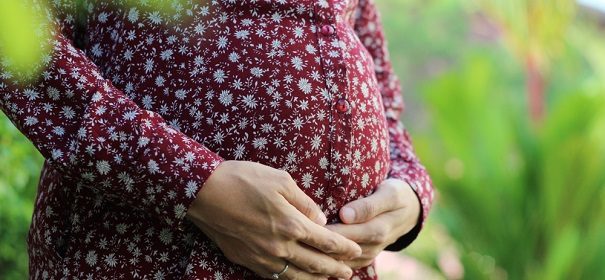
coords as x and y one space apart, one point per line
23 34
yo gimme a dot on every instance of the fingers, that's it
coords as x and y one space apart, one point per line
294 273
359 263
375 231
384 199
299 228
329 242
314 262
301 201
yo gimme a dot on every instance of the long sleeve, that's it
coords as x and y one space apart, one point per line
96 135
405 164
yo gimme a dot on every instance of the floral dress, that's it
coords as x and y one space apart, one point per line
136 107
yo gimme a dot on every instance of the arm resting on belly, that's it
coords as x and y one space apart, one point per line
96 135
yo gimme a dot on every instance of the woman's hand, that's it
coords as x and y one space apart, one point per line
261 220
377 221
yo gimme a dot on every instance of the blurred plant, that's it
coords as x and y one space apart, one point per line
536 32
22 30
19 170
523 203
523 197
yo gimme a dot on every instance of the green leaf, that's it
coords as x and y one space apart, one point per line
23 33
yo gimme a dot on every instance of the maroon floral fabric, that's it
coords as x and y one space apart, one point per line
136 107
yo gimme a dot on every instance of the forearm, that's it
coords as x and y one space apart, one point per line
95 134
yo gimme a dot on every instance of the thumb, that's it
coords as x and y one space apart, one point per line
365 209
301 201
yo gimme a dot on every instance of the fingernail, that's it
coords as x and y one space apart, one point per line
323 220
358 253
348 214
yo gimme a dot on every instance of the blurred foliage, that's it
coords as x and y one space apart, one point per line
531 200
22 30
534 29
517 199
19 172
520 200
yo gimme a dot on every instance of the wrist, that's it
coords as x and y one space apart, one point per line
206 191
411 203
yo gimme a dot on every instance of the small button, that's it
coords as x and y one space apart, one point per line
327 30
342 105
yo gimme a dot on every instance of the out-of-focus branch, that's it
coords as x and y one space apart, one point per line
536 32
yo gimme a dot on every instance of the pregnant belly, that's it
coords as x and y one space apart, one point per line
278 116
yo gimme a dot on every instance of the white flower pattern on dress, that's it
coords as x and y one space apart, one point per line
134 120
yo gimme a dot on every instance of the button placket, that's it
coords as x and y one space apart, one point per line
341 121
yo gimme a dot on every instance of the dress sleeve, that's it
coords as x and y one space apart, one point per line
97 136
404 162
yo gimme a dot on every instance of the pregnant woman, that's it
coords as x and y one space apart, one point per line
224 139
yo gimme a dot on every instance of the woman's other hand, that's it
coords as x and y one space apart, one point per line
377 221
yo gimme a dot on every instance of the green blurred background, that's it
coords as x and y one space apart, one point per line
505 100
